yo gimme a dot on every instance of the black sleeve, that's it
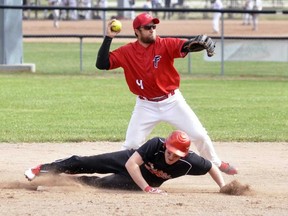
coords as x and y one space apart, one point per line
185 47
200 165
102 61
150 148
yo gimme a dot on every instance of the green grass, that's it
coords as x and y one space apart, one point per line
60 104
64 58
62 108
241 110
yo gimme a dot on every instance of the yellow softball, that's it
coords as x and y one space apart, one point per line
116 26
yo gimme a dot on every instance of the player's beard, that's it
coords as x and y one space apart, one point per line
149 39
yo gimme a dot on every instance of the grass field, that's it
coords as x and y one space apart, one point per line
64 58
59 103
50 108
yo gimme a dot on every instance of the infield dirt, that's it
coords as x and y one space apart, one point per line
166 27
262 166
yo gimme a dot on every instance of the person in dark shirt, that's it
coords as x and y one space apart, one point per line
146 168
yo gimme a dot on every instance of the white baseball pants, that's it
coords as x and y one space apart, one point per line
175 111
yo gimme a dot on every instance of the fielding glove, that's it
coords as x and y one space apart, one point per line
200 43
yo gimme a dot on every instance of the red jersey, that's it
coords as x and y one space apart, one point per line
150 71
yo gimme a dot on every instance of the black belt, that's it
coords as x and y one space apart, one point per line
157 99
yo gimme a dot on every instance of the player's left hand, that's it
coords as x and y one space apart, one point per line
200 43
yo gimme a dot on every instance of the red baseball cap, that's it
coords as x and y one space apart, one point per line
143 19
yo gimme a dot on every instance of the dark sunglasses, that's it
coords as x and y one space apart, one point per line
149 27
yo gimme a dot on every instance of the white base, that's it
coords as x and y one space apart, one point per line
18 68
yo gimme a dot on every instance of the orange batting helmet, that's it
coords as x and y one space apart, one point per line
178 143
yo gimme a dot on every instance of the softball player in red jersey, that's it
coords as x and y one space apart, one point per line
146 168
149 70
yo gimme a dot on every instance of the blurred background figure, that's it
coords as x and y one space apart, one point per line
96 13
167 4
55 13
179 3
247 17
217 5
86 14
156 4
257 5
26 3
72 14
102 4
147 4
132 13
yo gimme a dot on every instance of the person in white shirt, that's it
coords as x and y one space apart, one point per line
56 13
257 5
87 13
247 16
147 4
217 5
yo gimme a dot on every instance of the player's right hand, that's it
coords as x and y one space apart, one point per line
152 190
109 32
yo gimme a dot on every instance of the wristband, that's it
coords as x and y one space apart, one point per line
147 189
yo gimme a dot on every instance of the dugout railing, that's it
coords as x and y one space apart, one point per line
222 38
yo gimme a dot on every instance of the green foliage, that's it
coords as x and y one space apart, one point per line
63 108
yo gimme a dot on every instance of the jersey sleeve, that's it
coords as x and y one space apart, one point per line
151 147
115 58
120 56
200 166
174 46
102 61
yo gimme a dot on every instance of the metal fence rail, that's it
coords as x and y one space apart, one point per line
83 36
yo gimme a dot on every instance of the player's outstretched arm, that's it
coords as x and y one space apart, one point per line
133 168
217 176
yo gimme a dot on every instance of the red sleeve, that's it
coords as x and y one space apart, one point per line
174 45
119 56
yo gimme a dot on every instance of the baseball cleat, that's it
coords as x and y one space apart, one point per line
227 168
31 173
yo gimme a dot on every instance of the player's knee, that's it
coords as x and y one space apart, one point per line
74 159
199 137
